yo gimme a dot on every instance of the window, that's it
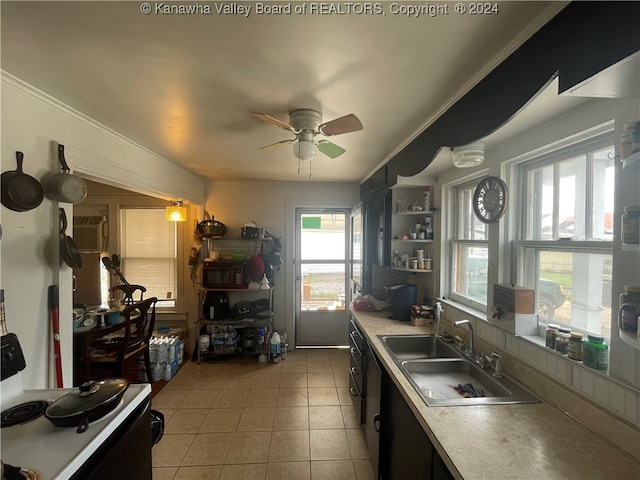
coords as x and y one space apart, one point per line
149 252
469 251
565 251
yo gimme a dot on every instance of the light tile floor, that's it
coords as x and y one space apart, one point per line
234 419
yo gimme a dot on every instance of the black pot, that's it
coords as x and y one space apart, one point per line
212 229
90 402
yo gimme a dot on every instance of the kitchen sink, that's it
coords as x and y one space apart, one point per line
408 347
458 382
443 377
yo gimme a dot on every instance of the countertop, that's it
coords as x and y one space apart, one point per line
527 441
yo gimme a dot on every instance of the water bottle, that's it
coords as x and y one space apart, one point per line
275 347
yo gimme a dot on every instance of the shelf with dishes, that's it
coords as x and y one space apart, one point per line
412 270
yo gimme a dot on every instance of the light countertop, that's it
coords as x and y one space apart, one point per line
526 441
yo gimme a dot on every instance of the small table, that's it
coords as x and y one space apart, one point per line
82 342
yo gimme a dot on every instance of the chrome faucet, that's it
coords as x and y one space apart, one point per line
459 323
497 372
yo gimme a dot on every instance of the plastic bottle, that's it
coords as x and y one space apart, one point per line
427 199
275 347
596 352
260 339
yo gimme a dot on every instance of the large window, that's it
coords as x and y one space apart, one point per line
469 251
149 252
567 228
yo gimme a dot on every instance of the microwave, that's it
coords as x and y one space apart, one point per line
223 275
89 233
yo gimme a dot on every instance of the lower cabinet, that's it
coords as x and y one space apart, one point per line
405 449
372 408
398 446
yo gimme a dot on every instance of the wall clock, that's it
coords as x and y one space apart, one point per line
490 199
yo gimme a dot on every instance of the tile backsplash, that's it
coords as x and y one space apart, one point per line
603 404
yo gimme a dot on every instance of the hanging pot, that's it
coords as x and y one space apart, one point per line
65 187
68 248
20 192
212 228
90 402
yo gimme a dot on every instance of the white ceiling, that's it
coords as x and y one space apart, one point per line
183 86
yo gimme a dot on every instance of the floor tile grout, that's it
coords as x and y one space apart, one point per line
316 408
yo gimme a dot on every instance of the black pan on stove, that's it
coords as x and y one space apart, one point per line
87 403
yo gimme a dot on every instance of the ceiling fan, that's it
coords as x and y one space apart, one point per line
305 124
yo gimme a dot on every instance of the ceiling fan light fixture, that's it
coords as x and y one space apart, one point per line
177 212
304 150
468 156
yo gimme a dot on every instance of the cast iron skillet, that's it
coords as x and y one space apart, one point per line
91 401
20 192
68 248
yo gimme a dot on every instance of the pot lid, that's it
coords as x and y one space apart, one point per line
89 396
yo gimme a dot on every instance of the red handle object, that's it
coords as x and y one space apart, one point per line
55 321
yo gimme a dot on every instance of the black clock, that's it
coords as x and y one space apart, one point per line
490 199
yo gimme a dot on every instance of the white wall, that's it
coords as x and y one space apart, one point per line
272 206
32 122
617 390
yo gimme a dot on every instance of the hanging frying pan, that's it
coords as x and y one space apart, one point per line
20 192
68 248
64 187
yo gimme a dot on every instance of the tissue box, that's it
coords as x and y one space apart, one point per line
515 323
514 299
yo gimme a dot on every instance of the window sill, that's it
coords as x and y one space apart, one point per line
536 340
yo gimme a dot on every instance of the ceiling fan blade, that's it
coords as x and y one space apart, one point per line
346 124
269 119
331 150
277 144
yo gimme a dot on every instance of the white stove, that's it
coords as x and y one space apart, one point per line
53 452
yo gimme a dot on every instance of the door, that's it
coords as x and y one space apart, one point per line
321 263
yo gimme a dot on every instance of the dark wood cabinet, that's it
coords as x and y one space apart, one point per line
372 410
406 450
377 235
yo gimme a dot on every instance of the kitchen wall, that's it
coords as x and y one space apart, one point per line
616 391
272 206
33 123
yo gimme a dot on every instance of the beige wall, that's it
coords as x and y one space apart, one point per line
271 205
33 123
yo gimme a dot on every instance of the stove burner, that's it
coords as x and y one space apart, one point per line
23 413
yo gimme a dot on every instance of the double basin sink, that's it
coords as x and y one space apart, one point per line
442 376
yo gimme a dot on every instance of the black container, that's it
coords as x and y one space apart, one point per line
402 297
215 305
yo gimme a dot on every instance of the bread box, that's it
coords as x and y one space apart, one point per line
514 299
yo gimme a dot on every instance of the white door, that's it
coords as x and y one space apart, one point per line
321 263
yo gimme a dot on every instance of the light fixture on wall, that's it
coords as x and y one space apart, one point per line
468 156
176 212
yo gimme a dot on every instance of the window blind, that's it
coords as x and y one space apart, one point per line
149 252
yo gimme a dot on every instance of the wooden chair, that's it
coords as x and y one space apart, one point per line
128 290
112 356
